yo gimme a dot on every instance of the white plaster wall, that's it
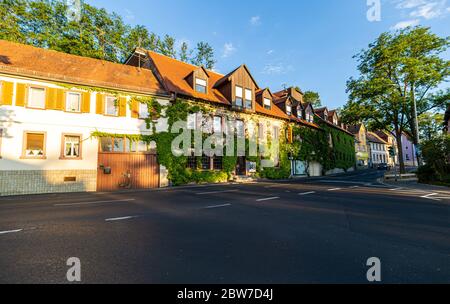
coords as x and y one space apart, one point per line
15 120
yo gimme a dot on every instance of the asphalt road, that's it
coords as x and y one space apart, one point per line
309 231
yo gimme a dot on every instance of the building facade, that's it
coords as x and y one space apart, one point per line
409 151
378 150
362 147
74 124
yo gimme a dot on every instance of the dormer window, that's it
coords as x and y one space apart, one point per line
248 99
200 85
289 110
299 113
239 97
267 104
335 121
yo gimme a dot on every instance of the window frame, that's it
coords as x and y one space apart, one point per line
288 112
241 106
214 124
115 106
24 145
237 129
63 146
139 111
269 106
196 85
124 150
246 90
29 88
66 100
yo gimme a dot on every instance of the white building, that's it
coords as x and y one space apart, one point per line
51 103
378 149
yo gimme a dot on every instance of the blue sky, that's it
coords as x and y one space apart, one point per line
304 43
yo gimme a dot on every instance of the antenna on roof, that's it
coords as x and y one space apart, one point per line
284 85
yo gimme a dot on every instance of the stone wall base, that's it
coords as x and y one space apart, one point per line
47 181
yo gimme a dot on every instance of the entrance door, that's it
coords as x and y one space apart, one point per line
118 171
241 166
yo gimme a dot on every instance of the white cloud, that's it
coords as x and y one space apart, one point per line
406 4
277 69
255 20
405 24
429 10
228 50
129 14
270 52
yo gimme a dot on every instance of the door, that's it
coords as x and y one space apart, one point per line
241 166
118 171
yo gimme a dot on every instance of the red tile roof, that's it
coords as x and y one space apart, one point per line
25 60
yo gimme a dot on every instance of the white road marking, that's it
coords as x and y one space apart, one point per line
267 199
11 231
395 189
120 218
307 193
334 189
429 196
215 192
217 206
92 203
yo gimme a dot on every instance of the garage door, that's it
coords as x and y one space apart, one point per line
117 171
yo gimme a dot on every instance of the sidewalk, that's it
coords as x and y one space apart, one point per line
417 186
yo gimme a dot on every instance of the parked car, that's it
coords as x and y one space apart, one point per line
383 166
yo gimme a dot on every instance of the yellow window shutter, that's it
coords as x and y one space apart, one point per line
60 99
122 106
21 94
6 96
86 102
135 109
100 104
50 98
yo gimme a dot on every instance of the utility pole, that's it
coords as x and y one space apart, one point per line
416 129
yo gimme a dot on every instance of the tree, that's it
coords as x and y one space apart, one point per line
97 34
185 54
396 71
312 98
204 55
430 125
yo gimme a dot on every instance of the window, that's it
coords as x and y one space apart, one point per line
71 146
200 85
106 144
217 124
267 104
240 129
288 110
118 145
248 99
143 111
192 121
110 106
261 134
238 100
34 145
36 98
218 163
192 162
276 133
73 102
206 162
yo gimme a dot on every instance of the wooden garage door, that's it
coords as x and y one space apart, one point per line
127 171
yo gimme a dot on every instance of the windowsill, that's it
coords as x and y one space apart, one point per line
73 112
33 108
31 157
70 158
110 115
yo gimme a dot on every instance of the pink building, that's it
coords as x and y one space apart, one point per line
409 151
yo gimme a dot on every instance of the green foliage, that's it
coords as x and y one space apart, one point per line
397 70
436 153
312 98
430 125
98 34
204 55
